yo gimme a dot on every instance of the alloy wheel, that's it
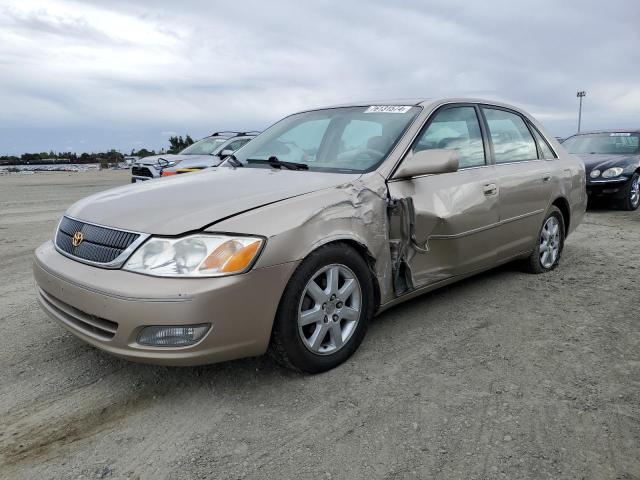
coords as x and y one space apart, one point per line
550 242
329 309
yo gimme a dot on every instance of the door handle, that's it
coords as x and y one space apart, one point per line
546 178
490 189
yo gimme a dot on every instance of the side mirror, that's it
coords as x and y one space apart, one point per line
225 153
428 162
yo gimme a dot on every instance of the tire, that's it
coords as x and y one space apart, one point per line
320 323
538 262
631 192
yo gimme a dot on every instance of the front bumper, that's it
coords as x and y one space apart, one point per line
108 308
613 187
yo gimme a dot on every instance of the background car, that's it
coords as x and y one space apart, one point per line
612 162
201 162
207 151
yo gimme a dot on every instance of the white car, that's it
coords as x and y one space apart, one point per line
219 145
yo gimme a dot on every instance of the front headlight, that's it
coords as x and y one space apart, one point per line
199 255
612 172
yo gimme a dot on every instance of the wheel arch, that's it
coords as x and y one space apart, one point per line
365 253
565 209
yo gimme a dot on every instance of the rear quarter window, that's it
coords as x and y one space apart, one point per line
545 149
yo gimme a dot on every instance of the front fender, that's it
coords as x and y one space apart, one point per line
355 211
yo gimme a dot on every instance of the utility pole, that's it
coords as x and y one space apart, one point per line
580 94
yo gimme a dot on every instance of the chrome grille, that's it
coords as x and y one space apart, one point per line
141 172
100 245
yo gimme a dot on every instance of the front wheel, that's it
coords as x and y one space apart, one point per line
631 199
324 311
546 255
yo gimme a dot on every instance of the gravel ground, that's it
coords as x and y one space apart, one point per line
505 375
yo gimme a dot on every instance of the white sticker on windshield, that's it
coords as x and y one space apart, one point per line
388 109
619 134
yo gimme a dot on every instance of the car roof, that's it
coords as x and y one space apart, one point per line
423 102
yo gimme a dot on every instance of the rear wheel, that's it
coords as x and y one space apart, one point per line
546 255
631 190
323 314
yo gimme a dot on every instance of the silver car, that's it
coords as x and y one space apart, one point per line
296 242
206 152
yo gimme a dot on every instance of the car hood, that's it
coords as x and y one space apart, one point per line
153 160
602 162
174 205
198 161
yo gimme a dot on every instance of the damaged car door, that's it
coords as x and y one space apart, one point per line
451 214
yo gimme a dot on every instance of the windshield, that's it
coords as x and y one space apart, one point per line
205 146
604 143
353 139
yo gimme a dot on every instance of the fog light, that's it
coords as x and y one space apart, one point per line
161 336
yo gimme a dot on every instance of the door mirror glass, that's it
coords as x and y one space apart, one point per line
428 162
225 153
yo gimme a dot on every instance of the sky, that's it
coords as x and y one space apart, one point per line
95 75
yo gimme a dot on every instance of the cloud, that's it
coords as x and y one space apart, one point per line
114 71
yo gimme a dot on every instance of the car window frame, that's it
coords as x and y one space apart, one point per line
534 130
525 120
488 160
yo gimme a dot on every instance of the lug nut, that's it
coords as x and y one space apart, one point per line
335 317
333 297
339 304
324 306
326 319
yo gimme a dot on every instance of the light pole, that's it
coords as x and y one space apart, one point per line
580 94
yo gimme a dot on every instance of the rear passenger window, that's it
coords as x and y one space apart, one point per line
512 141
545 150
455 128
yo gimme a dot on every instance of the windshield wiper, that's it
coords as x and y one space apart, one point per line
275 163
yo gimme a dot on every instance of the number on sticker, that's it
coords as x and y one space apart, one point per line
387 109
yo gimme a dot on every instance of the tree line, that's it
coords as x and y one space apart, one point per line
176 144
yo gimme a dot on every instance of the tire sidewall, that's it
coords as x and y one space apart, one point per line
627 200
286 321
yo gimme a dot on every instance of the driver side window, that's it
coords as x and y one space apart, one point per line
455 128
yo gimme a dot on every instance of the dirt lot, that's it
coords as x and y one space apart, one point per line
505 375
